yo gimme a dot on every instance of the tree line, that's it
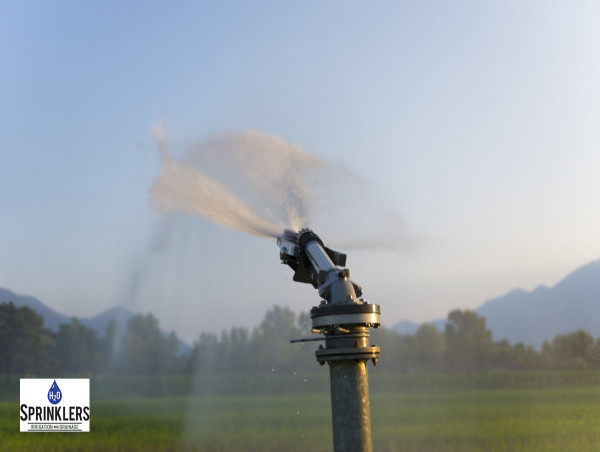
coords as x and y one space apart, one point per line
28 348
465 345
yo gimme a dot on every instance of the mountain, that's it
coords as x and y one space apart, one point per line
99 323
539 315
406 327
409 327
532 317
53 319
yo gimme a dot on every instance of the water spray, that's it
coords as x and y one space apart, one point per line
343 320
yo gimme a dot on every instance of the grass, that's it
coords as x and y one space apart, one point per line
434 419
489 420
265 423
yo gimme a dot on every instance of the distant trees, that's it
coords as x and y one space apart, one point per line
266 349
77 349
468 341
430 346
143 350
465 345
25 346
575 351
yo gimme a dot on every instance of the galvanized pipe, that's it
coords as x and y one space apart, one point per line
350 409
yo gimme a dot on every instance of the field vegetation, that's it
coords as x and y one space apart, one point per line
456 390
433 416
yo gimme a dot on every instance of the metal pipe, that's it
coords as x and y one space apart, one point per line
350 410
333 282
318 257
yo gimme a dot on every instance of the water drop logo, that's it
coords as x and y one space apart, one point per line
54 394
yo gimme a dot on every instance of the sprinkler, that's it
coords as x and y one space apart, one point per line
342 320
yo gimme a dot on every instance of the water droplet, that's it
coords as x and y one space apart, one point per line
54 394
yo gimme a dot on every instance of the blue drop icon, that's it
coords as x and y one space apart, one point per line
54 394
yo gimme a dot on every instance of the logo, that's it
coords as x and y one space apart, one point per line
54 395
48 407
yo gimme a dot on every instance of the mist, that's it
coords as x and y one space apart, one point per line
217 200
247 181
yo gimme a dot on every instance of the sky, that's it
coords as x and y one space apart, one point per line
463 139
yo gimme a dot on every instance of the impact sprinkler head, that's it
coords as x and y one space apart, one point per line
318 265
341 310
343 320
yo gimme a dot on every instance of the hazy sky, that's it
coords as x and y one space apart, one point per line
469 133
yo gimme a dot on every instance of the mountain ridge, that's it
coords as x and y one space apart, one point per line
535 316
53 319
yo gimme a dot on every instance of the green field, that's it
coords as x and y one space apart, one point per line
549 419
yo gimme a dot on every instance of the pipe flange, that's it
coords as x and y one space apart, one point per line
346 354
335 314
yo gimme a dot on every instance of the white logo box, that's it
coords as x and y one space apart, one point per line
70 414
